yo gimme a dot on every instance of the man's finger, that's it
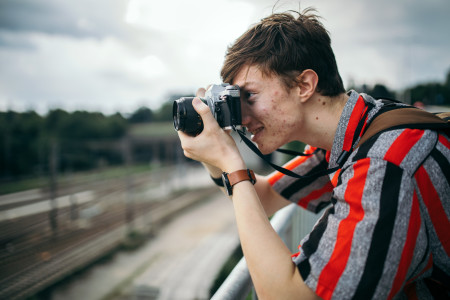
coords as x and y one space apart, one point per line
200 107
200 92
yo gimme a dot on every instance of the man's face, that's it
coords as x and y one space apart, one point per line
269 111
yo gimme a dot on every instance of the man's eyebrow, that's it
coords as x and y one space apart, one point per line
247 85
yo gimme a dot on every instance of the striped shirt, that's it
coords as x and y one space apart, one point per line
386 233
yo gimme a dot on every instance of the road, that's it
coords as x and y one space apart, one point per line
181 262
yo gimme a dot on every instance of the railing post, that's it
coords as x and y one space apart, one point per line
291 220
237 285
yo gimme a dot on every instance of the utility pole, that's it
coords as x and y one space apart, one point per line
53 168
129 203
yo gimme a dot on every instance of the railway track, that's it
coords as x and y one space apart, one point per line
35 253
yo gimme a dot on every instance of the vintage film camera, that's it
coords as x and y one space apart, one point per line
224 102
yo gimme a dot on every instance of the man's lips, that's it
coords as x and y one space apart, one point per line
256 132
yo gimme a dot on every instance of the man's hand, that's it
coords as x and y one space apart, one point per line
213 146
201 92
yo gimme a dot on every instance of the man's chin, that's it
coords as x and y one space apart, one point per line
265 150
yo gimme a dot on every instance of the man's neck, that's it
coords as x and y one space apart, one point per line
322 119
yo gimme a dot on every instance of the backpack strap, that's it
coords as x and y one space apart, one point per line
444 115
406 117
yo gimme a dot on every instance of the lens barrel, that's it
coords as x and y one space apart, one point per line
185 118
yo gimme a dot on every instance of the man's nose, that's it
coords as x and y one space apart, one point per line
245 115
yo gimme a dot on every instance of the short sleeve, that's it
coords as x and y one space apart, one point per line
310 193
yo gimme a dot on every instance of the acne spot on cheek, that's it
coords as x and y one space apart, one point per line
317 118
323 103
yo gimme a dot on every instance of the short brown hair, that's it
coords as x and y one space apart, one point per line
286 45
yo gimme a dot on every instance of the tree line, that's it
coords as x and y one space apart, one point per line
29 139
430 93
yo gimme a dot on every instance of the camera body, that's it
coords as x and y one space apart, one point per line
223 100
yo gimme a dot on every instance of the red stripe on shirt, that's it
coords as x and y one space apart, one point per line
353 123
444 141
436 211
334 180
328 187
402 145
327 156
331 273
408 247
365 123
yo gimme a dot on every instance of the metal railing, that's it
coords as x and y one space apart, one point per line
291 223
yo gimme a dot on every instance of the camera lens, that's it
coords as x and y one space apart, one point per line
185 118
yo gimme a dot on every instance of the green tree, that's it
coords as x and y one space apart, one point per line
21 134
380 91
447 80
165 112
430 94
142 115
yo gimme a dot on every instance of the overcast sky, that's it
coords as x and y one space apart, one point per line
119 55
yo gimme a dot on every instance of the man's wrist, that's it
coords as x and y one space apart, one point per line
231 179
215 172
217 180
235 166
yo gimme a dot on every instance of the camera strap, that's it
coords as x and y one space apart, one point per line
340 161
285 151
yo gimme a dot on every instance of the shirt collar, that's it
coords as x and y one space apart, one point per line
345 139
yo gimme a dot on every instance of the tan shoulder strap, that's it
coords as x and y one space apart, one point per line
444 115
417 118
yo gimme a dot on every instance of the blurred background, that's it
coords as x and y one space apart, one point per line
92 176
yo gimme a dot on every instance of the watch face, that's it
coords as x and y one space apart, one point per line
227 184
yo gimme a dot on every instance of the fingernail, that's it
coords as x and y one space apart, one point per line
196 101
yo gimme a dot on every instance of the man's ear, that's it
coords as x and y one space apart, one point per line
307 82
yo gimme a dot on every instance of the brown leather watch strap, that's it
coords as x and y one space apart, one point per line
241 175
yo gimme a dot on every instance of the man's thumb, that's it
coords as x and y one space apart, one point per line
203 110
199 106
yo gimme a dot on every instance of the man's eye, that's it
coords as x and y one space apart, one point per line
250 96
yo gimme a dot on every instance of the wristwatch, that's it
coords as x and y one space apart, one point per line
230 179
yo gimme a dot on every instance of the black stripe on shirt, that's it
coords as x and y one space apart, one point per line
382 233
365 147
362 123
442 162
321 206
304 268
303 182
311 245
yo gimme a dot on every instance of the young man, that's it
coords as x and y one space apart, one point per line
385 231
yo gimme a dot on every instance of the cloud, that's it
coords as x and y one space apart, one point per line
74 18
76 77
397 43
188 20
134 56
117 55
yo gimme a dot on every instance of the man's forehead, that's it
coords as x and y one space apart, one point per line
248 85
247 76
